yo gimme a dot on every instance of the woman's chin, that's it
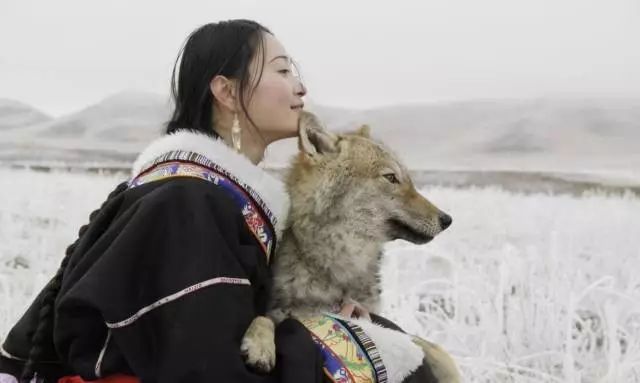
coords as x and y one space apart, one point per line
284 134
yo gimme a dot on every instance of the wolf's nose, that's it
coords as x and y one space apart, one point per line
445 220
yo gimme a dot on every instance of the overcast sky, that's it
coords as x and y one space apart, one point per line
60 56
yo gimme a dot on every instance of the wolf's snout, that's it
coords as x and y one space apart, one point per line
445 220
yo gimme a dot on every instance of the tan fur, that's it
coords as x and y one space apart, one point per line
343 203
258 344
441 363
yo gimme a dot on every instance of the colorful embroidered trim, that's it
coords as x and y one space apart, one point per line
182 155
344 359
261 230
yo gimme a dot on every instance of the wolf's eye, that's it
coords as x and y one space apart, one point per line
391 178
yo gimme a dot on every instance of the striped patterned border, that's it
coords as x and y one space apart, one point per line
370 348
179 294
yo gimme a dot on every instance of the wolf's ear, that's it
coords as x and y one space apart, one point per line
314 139
364 131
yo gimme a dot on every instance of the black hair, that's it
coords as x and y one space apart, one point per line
50 292
225 48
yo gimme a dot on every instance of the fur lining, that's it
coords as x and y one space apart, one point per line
401 357
270 189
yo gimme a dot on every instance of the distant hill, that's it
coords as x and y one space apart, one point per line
504 134
123 117
575 126
127 116
568 135
14 114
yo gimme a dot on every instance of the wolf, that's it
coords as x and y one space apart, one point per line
349 195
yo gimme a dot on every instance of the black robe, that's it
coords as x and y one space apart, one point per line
149 243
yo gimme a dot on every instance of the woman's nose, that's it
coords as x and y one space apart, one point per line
301 90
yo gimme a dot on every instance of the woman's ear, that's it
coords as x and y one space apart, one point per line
224 92
314 139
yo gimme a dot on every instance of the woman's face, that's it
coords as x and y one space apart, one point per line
276 101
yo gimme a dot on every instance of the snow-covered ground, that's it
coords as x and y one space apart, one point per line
521 288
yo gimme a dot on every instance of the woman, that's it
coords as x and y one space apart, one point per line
175 257
164 280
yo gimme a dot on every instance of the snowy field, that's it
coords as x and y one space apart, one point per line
521 288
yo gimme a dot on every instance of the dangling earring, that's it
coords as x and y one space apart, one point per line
236 133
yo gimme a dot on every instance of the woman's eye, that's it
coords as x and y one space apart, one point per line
391 178
284 71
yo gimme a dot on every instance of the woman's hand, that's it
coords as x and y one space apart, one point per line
353 309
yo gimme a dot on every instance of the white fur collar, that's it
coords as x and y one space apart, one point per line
270 189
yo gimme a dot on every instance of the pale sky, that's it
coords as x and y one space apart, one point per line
61 56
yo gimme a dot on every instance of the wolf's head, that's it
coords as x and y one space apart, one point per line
350 179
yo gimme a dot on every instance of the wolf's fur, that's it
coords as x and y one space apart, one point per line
440 362
345 204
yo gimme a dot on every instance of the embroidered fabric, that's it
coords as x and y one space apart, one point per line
349 356
251 209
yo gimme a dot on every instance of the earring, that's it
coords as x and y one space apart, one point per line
236 133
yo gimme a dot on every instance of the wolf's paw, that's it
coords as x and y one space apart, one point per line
258 345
